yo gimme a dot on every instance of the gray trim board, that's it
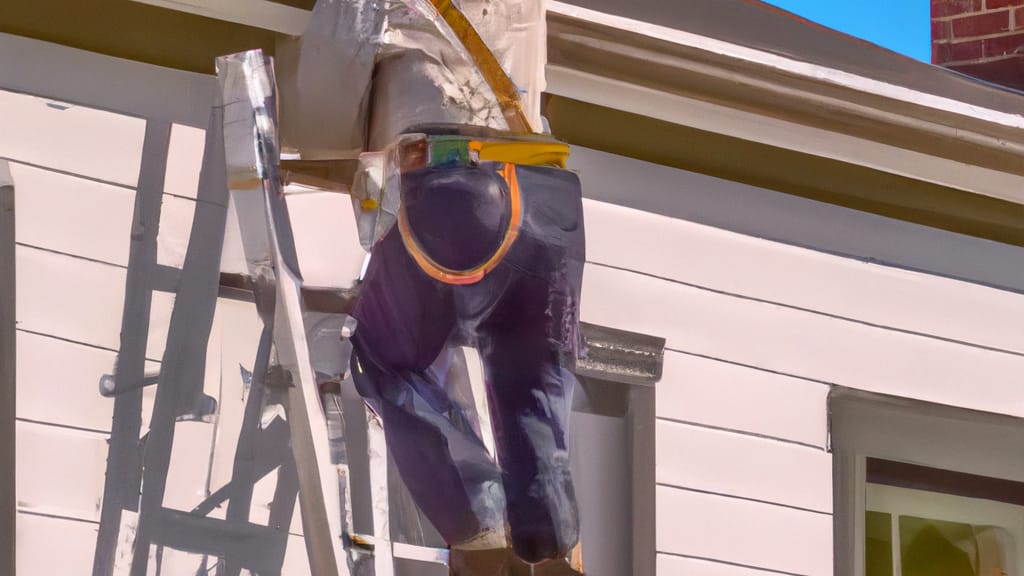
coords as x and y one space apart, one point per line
641 424
8 359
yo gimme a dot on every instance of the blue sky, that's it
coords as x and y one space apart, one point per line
900 25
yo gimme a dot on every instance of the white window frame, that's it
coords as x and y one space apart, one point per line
863 425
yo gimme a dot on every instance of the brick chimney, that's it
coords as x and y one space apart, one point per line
982 38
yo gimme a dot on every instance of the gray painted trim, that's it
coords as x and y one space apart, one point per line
8 357
104 82
780 217
641 425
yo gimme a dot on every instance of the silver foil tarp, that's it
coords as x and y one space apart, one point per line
367 70
425 76
513 30
251 146
325 77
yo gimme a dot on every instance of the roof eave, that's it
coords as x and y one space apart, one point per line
722 87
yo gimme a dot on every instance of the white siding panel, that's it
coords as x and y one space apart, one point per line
188 475
326 238
160 309
757 268
744 532
678 566
803 343
715 393
232 256
176 216
179 562
73 215
60 470
237 327
58 382
184 160
295 559
745 466
71 138
54 546
69 297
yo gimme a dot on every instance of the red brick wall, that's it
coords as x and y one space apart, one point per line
969 30
984 38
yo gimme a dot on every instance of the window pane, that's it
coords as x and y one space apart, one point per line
878 544
930 547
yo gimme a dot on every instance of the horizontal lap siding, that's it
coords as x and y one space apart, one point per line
63 213
75 139
60 471
48 545
689 566
743 466
75 170
754 268
736 531
803 344
757 332
728 396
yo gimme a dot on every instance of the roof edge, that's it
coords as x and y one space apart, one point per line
717 86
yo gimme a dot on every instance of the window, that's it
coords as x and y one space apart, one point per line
924 489
920 521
